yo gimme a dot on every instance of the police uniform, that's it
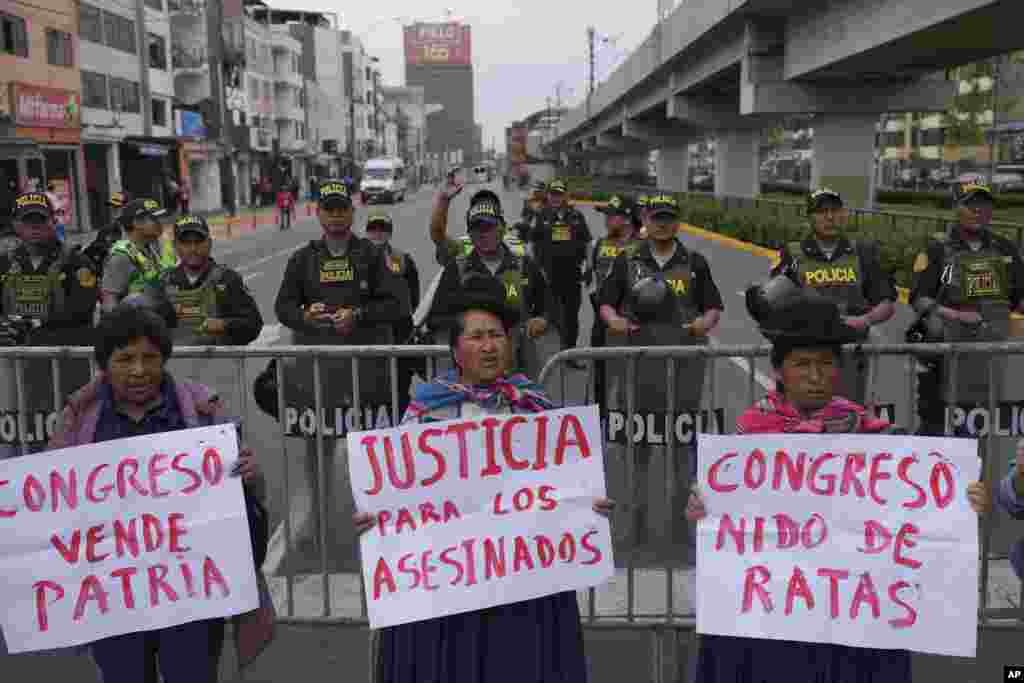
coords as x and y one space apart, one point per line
986 277
853 278
686 290
602 259
130 268
526 289
405 281
559 238
53 290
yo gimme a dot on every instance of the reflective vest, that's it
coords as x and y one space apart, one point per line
193 306
975 278
605 253
398 263
841 280
147 271
35 295
168 255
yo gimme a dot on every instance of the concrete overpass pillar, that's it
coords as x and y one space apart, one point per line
737 163
844 156
673 167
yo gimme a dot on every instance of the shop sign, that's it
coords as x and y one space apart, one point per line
189 124
38 107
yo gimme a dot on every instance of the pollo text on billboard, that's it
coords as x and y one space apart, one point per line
437 44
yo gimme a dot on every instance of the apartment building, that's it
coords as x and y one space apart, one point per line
40 105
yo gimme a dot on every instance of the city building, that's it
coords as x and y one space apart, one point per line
438 58
40 114
405 113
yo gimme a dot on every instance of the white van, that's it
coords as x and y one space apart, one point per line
481 174
383 180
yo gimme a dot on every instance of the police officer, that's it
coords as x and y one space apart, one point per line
136 261
965 286
661 294
49 295
406 280
560 240
99 249
532 207
526 290
620 213
848 272
337 291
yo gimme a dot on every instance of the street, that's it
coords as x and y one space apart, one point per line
260 256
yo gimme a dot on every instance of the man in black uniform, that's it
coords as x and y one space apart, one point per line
560 239
619 214
661 294
405 279
965 286
49 296
525 287
336 291
848 272
106 237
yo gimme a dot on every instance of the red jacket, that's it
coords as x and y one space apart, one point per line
285 200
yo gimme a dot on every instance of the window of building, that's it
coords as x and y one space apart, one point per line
157 51
297 98
90 23
94 90
159 112
124 95
59 48
300 130
13 35
254 89
119 32
931 136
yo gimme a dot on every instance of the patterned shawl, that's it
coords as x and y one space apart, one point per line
516 391
774 415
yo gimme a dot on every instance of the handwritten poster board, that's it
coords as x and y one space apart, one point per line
128 535
480 512
854 539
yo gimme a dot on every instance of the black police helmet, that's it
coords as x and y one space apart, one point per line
485 293
797 316
649 299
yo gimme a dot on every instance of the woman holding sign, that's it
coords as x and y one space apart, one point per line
533 640
806 335
135 396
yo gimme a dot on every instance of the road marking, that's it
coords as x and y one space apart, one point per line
250 276
766 382
282 252
268 335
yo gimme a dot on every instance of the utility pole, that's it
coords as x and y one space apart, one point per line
994 143
590 44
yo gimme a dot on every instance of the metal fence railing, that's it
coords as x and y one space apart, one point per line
317 578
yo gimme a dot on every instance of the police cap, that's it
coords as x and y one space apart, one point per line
965 192
117 200
618 205
29 203
557 187
663 205
484 209
334 195
822 198
194 225
142 208
380 220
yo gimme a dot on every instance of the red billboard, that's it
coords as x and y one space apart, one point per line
515 145
447 44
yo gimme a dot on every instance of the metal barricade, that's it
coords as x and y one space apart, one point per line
644 596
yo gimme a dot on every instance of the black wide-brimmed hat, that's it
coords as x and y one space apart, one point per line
482 292
797 316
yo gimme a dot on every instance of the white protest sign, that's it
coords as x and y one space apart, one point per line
480 512
122 536
854 539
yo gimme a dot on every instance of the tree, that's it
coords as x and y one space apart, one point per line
964 121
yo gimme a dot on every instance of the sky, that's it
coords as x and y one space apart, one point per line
521 50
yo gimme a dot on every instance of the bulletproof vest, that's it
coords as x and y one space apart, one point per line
513 277
147 269
193 306
841 280
678 276
341 280
34 295
398 265
605 253
979 278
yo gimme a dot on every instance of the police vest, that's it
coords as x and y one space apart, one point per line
841 280
514 279
194 306
975 278
168 255
35 295
679 278
398 265
147 270
605 253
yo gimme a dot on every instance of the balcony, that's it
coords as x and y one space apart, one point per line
194 7
189 60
